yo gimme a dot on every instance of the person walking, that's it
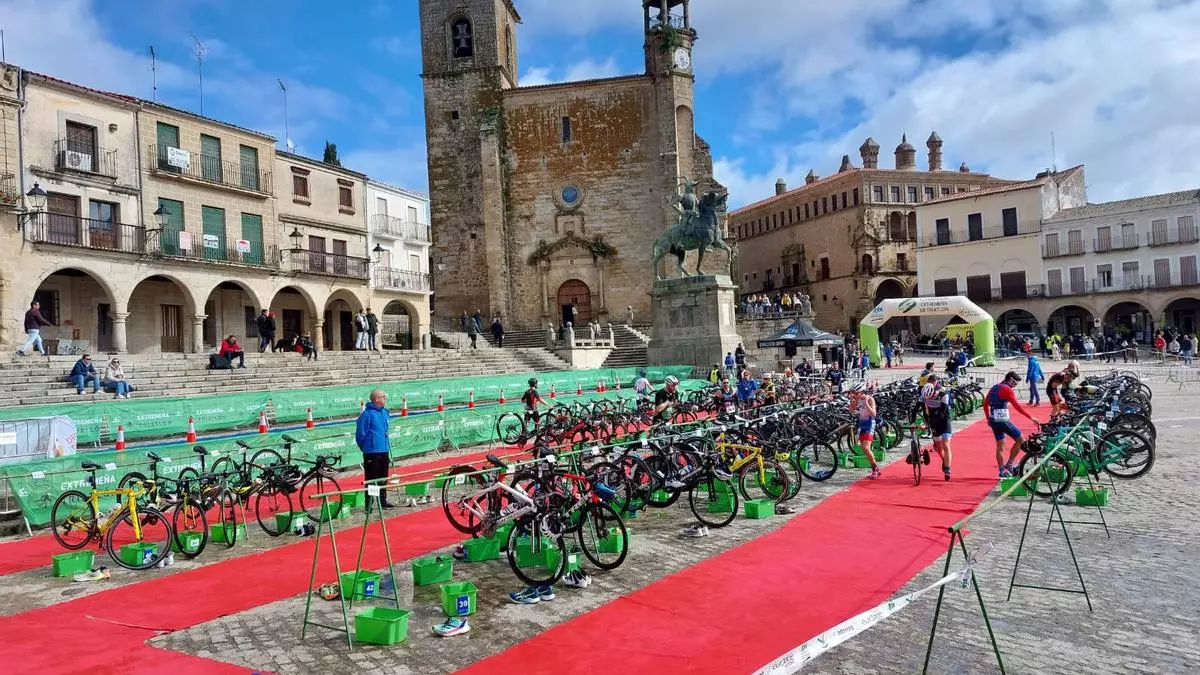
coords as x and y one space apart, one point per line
730 365
371 436
498 332
473 332
266 331
360 324
372 330
1034 374
34 322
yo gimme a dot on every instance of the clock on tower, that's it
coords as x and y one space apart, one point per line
682 59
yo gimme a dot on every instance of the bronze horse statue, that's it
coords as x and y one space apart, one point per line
702 232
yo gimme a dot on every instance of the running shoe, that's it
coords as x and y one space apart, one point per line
695 531
875 473
451 627
526 596
460 552
545 593
721 474
674 484
1004 472
784 510
946 471
576 579
93 575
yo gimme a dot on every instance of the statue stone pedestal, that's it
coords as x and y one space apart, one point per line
694 322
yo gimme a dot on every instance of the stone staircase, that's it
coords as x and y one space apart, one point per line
40 380
630 349
533 338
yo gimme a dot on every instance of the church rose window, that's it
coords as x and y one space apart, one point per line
570 194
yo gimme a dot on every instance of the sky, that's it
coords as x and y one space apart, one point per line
783 86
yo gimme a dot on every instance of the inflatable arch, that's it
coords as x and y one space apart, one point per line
980 321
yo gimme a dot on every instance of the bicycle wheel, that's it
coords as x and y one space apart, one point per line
226 504
271 502
821 461
153 529
510 428
603 537
460 495
1124 454
713 502
540 545
613 477
316 484
914 458
773 480
73 520
1040 482
189 516
262 462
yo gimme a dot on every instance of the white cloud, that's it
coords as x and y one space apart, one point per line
402 165
586 69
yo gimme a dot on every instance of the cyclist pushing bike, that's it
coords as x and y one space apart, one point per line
531 398
665 399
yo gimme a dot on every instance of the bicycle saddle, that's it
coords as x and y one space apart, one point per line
288 438
200 450
495 461
243 444
153 457
90 465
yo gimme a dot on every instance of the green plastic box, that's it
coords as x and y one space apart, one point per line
458 599
660 496
612 542
432 570
381 625
1022 491
757 509
187 541
416 489
845 460
860 462
358 585
217 532
285 521
355 500
503 532
72 563
1091 496
525 555
138 553
483 548
573 560
334 510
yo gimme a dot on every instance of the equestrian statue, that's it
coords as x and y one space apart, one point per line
698 229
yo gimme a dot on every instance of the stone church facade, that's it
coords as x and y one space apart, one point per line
549 196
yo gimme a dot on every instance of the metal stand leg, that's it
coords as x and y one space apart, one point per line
957 537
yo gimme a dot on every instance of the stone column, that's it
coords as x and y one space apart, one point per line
603 296
318 336
198 333
120 337
544 268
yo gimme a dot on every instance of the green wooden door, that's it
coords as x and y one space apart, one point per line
210 158
249 164
169 237
167 137
213 241
252 231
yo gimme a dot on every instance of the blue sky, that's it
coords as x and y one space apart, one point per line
783 86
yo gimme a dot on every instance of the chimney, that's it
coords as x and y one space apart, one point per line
780 186
906 155
935 151
869 151
846 165
812 177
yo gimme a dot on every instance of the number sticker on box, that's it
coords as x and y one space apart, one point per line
460 479
1101 426
372 490
110 466
595 451
38 474
645 443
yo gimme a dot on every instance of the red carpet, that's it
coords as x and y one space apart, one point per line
27 554
738 611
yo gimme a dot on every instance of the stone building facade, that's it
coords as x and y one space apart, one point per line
161 231
398 224
550 196
847 240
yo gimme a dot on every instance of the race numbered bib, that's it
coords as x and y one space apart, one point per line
1000 415
372 490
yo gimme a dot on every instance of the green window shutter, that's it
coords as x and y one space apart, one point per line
169 237
213 242
167 136
210 158
252 231
249 164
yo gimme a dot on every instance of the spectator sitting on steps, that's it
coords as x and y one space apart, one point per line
230 349
85 372
115 379
308 349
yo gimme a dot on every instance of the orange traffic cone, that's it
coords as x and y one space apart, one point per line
471 401
120 438
308 423
441 404
404 406
552 395
502 401
578 388
262 422
600 386
191 435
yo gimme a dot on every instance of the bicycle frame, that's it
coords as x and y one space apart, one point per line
129 496
528 505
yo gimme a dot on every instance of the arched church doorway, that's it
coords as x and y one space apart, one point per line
575 302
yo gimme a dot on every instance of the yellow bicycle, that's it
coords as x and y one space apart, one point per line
756 471
77 519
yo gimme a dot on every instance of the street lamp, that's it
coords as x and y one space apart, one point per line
377 253
441 266
160 217
297 237
35 200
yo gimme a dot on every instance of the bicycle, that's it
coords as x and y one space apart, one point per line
74 512
187 513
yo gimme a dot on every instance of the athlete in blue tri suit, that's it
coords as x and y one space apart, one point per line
996 412
863 403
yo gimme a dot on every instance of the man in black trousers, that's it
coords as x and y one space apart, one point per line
371 435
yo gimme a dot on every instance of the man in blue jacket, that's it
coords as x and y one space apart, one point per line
371 435
1034 374
83 373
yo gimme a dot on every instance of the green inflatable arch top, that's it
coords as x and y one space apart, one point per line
982 324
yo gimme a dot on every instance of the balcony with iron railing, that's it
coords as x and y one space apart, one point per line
100 235
1115 244
1057 250
393 227
10 195
170 243
170 161
958 236
1171 238
75 155
1130 284
304 261
402 280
